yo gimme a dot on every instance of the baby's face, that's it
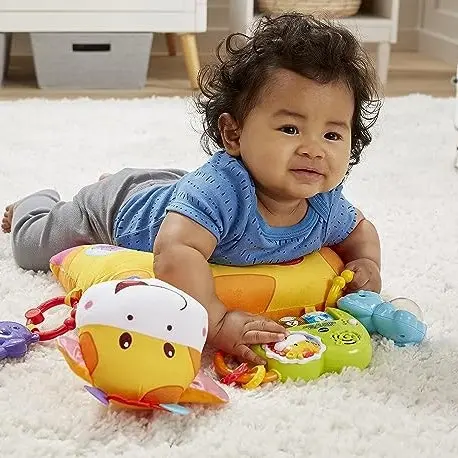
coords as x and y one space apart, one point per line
296 141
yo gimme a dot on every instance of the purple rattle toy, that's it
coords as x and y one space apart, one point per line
15 339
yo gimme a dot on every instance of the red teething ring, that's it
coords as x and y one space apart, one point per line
242 376
35 316
235 374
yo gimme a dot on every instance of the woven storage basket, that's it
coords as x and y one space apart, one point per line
334 8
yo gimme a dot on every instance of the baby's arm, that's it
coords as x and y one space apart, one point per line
181 252
360 252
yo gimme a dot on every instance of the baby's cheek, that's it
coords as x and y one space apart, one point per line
339 168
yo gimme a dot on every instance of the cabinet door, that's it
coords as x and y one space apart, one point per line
441 16
97 5
438 35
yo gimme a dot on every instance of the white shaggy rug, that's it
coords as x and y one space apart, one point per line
405 404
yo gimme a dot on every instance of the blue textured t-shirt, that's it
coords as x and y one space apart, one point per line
220 196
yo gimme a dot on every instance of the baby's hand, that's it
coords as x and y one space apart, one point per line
367 275
241 329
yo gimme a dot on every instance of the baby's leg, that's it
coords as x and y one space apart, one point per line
42 226
104 175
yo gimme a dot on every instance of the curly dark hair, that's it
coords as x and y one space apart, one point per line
314 48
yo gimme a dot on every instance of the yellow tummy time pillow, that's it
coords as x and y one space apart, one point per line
274 290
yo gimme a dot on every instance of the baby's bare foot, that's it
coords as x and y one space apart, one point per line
104 175
7 217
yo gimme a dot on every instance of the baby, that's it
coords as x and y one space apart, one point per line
287 113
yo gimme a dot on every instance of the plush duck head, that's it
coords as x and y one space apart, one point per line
139 344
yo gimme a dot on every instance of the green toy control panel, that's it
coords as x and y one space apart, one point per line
318 342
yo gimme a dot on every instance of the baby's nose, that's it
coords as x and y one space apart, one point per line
312 150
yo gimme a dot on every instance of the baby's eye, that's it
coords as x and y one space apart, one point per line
289 130
333 136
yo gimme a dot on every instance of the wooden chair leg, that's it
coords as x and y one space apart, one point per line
191 57
171 43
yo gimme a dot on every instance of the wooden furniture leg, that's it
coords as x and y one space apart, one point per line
383 60
171 43
191 57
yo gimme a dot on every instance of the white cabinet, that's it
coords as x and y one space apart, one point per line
175 16
378 25
184 17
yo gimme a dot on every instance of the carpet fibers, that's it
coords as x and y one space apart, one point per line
404 404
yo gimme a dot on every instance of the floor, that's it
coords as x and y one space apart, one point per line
410 72
404 405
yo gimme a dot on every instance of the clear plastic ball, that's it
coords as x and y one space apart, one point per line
403 303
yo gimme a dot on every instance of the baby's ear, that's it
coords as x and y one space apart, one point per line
230 133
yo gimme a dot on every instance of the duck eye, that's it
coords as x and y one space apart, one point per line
130 317
125 340
169 350
169 327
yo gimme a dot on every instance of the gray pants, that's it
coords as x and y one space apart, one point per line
43 225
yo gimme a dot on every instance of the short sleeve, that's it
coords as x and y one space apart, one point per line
341 220
209 198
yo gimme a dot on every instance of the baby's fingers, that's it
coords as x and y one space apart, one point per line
372 282
261 337
359 281
263 331
245 353
265 325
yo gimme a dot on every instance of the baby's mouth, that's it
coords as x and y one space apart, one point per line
307 174
308 170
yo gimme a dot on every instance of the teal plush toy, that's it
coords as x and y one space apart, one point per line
399 320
